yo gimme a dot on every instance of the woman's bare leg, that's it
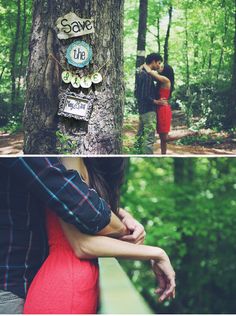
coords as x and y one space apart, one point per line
163 138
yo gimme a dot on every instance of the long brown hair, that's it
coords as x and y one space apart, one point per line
106 175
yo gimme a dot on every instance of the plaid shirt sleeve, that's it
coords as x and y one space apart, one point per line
144 87
61 190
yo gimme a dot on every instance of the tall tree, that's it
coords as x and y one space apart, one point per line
13 55
232 112
187 47
142 30
166 44
102 134
22 47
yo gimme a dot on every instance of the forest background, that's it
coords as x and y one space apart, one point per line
196 37
187 207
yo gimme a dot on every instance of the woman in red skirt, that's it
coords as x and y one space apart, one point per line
164 113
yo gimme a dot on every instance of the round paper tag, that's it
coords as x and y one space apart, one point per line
96 78
79 54
66 76
75 81
86 82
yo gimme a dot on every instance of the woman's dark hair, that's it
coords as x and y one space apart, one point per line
153 57
106 176
169 73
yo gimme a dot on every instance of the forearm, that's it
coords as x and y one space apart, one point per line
87 247
115 228
159 77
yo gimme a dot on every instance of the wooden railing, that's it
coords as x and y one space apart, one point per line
118 295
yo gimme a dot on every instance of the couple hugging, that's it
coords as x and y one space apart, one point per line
57 216
154 85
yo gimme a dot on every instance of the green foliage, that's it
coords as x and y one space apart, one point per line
187 207
13 57
65 144
14 125
201 51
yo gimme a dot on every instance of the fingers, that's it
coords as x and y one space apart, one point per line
137 236
169 291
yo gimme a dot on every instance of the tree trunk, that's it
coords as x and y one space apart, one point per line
166 45
23 38
2 72
142 31
186 49
196 52
232 112
102 134
13 58
212 37
224 35
158 35
234 59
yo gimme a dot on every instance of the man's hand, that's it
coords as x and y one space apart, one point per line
137 232
161 101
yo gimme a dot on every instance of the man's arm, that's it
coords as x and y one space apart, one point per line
64 192
146 89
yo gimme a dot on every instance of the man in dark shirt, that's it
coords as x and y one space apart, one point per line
147 100
28 185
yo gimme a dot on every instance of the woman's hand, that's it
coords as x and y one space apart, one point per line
147 68
165 275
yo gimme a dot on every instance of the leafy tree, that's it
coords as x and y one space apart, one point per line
188 208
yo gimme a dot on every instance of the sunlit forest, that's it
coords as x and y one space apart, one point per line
15 24
196 38
188 207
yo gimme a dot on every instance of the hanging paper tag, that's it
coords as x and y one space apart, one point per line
96 78
86 82
66 76
79 54
75 81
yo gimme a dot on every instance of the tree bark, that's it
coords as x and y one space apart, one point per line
166 45
102 134
13 57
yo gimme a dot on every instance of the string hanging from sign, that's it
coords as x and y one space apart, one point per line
71 77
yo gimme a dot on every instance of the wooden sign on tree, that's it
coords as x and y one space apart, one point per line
71 25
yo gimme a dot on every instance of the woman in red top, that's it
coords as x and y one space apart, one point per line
164 113
67 282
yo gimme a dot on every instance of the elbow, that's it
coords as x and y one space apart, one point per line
84 251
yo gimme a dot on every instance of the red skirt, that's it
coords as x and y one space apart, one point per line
164 116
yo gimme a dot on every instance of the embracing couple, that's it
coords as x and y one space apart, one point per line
57 216
154 85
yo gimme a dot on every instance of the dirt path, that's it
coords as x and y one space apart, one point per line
214 143
11 144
